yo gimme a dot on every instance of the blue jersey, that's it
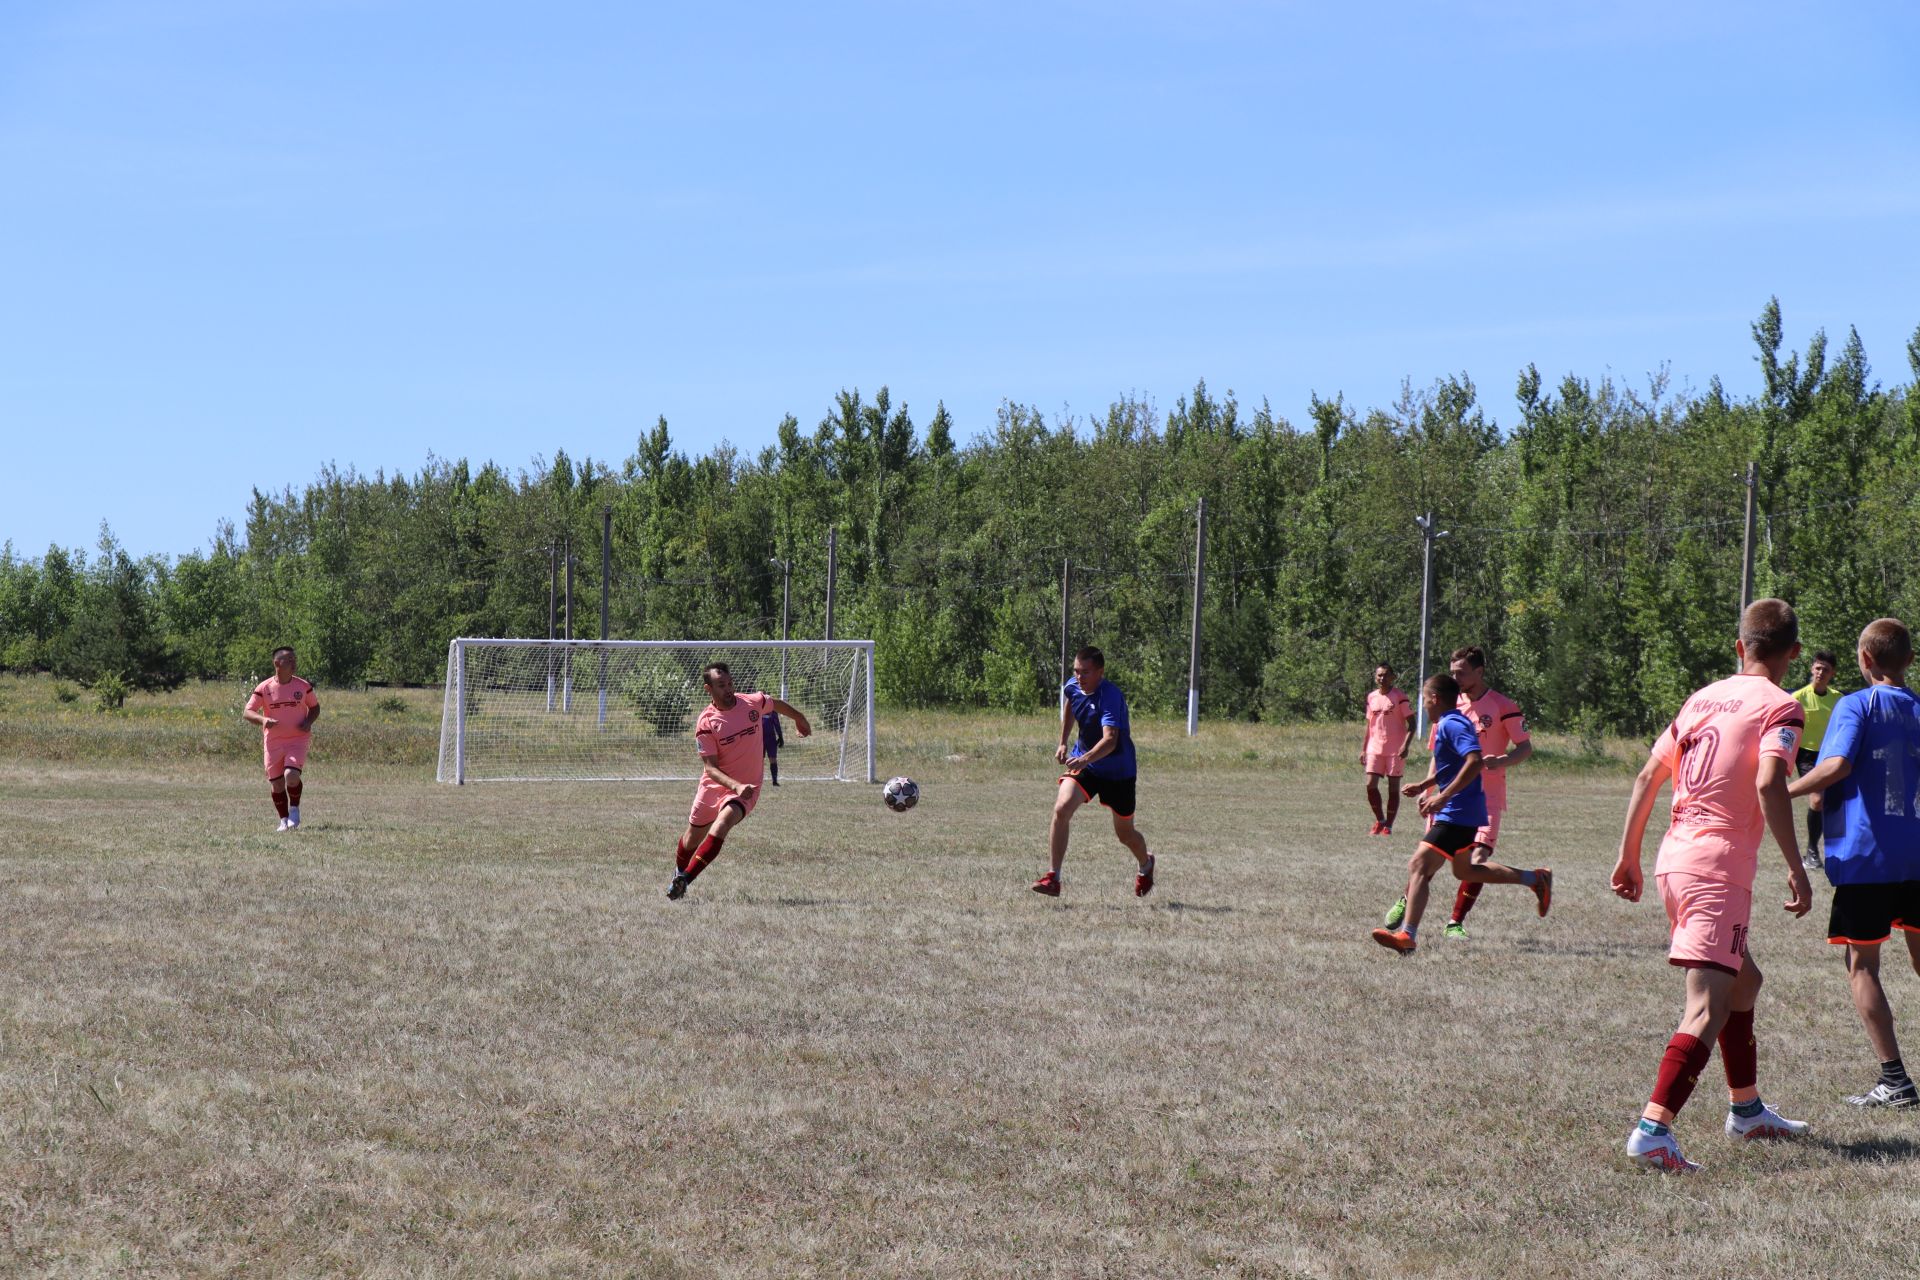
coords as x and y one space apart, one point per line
1454 737
1093 713
1869 818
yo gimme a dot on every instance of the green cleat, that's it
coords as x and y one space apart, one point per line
1396 914
1455 929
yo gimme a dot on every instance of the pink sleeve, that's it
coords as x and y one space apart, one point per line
256 701
703 739
313 699
1780 736
1667 746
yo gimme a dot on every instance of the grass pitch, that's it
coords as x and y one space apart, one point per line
445 1032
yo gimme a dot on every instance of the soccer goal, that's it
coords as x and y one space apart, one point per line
623 710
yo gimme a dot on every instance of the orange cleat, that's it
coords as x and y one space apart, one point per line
1142 881
1394 940
1048 884
1543 888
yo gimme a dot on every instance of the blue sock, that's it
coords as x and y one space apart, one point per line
1529 878
1413 930
1653 1130
1747 1110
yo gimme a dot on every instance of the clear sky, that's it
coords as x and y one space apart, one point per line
242 238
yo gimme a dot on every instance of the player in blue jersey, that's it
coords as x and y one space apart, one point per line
1870 815
1455 806
1100 767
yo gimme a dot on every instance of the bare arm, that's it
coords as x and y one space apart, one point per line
1772 786
1108 744
1407 741
1627 879
712 771
313 713
257 716
1516 754
794 714
1066 726
1832 770
1469 770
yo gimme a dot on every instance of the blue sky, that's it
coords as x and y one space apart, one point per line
240 240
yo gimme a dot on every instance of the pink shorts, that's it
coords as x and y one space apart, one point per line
711 796
1489 833
1709 919
282 756
1389 765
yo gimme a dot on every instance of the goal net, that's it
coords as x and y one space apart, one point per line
623 710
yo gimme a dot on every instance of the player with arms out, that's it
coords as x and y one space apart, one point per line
1818 699
1383 751
728 735
284 706
1728 752
1869 767
1101 766
1455 807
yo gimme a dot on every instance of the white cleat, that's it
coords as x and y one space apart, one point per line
286 824
1661 1152
1768 1124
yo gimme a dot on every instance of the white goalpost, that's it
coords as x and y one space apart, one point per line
623 710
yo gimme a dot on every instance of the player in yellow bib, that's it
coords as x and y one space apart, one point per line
1818 699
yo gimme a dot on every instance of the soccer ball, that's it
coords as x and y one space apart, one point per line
901 794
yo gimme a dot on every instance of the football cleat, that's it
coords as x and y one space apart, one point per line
1143 880
1394 940
1885 1095
1660 1152
678 889
1395 914
1048 884
1543 888
1768 1124
1455 930
1378 828
286 824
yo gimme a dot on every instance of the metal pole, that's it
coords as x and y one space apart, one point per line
833 567
786 620
566 679
1430 533
1746 550
1066 617
606 583
1193 653
872 729
553 590
459 714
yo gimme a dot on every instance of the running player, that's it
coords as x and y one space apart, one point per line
1869 765
1383 751
1818 701
1101 766
284 706
728 737
1455 807
1728 753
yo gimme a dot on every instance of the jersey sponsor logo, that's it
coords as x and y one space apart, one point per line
1786 738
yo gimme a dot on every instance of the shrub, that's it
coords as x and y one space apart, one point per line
64 692
110 692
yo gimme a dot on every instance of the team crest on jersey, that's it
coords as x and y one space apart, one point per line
753 717
1786 738
1486 721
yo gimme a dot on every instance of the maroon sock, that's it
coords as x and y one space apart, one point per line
703 856
293 792
1373 799
1463 900
680 855
1680 1069
280 802
1739 1054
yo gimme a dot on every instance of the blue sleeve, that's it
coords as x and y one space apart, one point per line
1113 711
1846 727
1463 738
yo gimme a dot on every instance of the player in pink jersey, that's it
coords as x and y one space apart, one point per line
1503 745
284 706
1383 751
728 736
1729 752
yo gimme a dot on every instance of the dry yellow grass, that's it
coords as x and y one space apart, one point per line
448 1032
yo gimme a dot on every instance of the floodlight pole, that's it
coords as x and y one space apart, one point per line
833 567
1193 652
606 582
1066 619
786 616
1430 533
566 679
553 590
1746 548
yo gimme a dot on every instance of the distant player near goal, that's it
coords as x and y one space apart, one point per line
1728 752
1101 766
285 707
728 736
1383 751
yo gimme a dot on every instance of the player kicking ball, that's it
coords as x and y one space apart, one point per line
1454 804
1101 766
1728 752
728 737
284 706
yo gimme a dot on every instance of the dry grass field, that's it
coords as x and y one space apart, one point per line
450 1032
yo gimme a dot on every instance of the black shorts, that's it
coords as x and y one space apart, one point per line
1449 838
1804 760
1869 913
1115 793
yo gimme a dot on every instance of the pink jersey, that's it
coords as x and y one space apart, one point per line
1501 726
730 739
1714 747
1388 722
288 705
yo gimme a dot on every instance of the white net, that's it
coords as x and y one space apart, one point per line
623 710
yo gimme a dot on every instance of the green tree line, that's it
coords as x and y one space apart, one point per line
1594 546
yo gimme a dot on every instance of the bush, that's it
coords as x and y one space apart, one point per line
64 692
391 705
110 692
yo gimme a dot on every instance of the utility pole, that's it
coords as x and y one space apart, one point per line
566 680
1430 533
1066 619
1193 651
553 589
1746 550
833 567
606 583
786 616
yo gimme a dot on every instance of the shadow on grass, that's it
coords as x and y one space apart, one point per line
1587 951
1877 1150
1194 906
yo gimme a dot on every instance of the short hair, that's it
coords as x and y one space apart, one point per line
1472 655
1826 656
1090 654
1888 642
1388 665
706 672
1768 629
1444 687
285 648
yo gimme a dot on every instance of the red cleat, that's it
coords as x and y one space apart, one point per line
1543 888
1048 884
1375 829
1394 940
1142 881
